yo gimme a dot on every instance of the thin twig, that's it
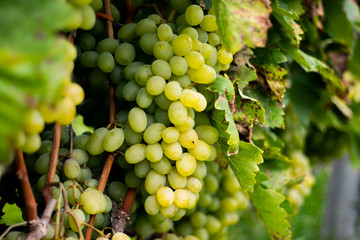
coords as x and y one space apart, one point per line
11 227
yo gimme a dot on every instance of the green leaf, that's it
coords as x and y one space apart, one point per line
242 75
267 56
336 23
242 22
267 203
273 109
12 214
222 114
248 110
245 163
312 64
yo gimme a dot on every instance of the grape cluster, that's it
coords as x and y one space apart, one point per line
300 167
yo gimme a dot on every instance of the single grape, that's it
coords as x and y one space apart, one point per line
113 139
162 50
80 216
186 165
135 153
33 122
164 32
71 168
194 15
154 181
178 65
125 54
155 85
107 45
94 145
106 62
165 196
93 201
182 45
137 119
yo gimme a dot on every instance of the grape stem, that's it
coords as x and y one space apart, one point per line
11 227
53 161
120 216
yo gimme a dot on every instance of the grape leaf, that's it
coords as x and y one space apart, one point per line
12 214
205 4
222 114
273 109
242 75
267 203
245 163
312 64
242 22
336 24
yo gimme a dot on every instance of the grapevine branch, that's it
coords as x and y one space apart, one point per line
120 216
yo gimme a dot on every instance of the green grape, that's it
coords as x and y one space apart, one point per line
145 26
33 122
86 173
80 156
50 229
113 139
120 236
108 204
125 54
88 18
213 39
105 62
212 59
162 167
73 194
201 151
209 23
71 168
213 154
202 35
186 165
117 190
177 113
200 171
67 111
153 133
115 13
99 218
107 45
161 116
189 98
203 75
116 75
154 181
201 234
182 45
155 85
88 59
164 32
172 151
197 46
191 32
80 2
46 146
207 133
131 180
181 198
165 196
80 216
96 76
122 116
207 50
176 181
135 153
94 145
184 228
92 183
173 90
211 183
142 168
137 119
187 125
143 98
42 163
228 204
164 226
74 92
154 152
155 17
130 91
192 200
193 184
143 74
198 219
224 67
162 101
194 59
178 65
224 56
180 6
184 80
93 201
147 42
151 205
194 15
42 180
191 113
161 68
127 32
162 50
96 5
150 120
188 139
170 135
132 137
129 70
201 104
212 225
98 29
169 211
